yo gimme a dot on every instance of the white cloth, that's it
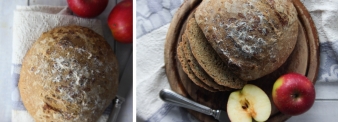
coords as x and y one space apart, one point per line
152 14
325 17
151 79
29 23
150 71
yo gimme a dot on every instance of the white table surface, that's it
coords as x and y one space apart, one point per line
122 52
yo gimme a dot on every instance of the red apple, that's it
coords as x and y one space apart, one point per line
120 21
293 94
87 8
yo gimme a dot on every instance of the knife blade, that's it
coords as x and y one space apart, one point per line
178 100
125 86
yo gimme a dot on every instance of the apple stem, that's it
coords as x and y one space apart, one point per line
295 95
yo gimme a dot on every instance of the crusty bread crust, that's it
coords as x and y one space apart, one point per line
194 65
197 69
208 59
69 74
187 69
254 37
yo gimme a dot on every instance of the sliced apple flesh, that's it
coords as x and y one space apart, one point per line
249 103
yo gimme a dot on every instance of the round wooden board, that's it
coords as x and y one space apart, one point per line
304 60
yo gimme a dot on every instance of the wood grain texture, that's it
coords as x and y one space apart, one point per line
171 41
321 111
326 91
312 35
49 2
218 100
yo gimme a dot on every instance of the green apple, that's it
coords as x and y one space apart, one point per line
249 103
293 94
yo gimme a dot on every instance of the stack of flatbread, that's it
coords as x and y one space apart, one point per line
227 43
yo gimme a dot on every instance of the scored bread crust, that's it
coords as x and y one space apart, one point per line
254 38
69 74
208 59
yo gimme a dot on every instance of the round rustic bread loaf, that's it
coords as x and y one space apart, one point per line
208 59
196 69
254 37
69 74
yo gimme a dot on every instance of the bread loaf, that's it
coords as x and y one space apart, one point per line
208 59
197 69
69 74
254 37
187 69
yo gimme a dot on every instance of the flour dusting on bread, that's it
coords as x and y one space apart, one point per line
71 72
254 37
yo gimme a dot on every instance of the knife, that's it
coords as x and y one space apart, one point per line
125 84
178 100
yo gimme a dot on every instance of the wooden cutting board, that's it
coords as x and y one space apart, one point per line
303 60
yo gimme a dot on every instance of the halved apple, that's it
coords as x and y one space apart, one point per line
249 103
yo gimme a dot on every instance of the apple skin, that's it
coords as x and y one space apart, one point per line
293 94
87 8
120 21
